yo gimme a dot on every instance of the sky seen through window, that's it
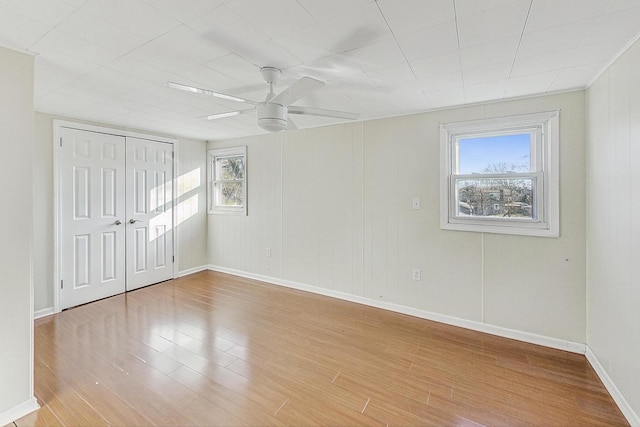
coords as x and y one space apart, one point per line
477 155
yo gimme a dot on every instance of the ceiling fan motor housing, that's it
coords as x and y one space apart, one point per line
272 117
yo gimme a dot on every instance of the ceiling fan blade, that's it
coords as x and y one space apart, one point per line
297 91
228 114
323 113
291 125
192 89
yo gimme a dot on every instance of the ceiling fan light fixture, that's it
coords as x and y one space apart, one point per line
192 89
227 97
272 125
272 117
273 112
185 88
221 115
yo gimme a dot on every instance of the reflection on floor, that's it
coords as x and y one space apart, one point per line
214 349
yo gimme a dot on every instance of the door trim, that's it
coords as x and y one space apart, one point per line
58 124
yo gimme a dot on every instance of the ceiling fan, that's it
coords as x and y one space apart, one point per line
273 112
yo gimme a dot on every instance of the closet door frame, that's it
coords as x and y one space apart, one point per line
58 125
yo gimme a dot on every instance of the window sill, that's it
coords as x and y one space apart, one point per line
226 211
532 229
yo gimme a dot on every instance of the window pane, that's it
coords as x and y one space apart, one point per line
494 154
229 194
498 198
228 168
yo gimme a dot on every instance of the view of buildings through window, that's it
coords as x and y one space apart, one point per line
493 176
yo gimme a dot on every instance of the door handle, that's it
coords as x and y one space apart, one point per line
133 221
118 222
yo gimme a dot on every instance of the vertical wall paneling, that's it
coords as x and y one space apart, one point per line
16 245
347 225
402 162
241 241
559 298
191 221
613 228
321 215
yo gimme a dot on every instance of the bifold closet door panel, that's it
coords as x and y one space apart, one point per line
149 212
92 216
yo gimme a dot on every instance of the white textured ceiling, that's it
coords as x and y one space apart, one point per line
107 60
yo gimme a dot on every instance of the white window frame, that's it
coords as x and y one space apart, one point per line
212 157
545 154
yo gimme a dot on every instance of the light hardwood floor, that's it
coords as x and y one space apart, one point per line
214 349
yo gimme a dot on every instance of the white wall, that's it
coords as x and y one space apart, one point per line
191 175
613 227
16 227
334 206
192 198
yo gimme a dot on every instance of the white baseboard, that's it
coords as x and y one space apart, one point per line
43 313
632 417
192 270
528 337
19 411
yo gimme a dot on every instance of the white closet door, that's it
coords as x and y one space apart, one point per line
92 216
149 212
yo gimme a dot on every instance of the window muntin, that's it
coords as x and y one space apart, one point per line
227 181
501 175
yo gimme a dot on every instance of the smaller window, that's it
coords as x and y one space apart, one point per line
501 175
227 181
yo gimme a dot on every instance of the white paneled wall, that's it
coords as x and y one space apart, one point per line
613 232
241 241
401 159
541 281
43 259
16 229
334 205
191 204
322 208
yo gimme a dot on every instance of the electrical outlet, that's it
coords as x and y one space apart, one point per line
416 203
416 274
268 251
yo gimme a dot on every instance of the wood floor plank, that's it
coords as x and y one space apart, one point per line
214 349
42 417
240 405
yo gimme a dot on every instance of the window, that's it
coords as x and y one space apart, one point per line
501 175
227 179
